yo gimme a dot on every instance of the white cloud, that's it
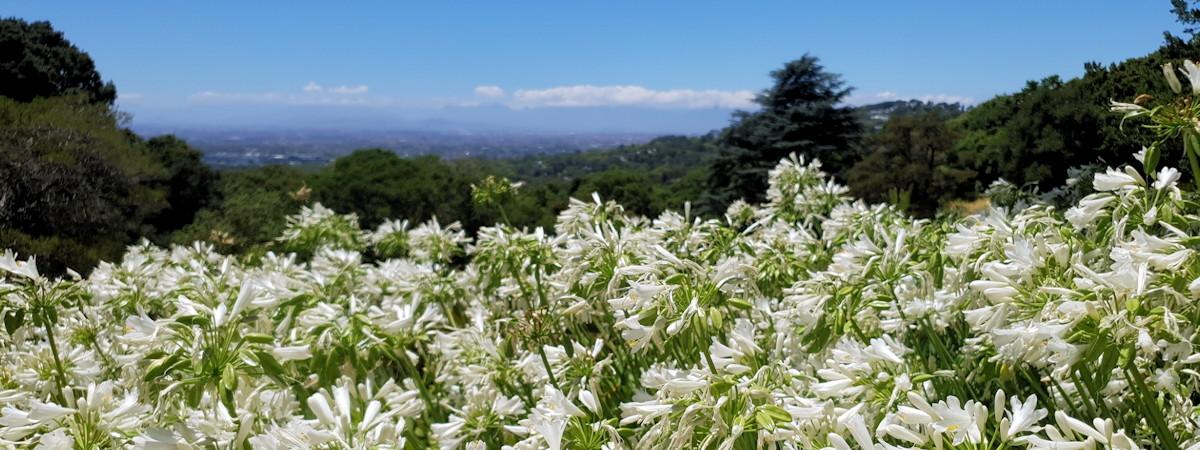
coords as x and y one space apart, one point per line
553 97
887 96
350 90
489 91
130 96
629 95
237 97
277 98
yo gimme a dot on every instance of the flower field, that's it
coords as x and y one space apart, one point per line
811 321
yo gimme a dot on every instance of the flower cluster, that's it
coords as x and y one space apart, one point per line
811 321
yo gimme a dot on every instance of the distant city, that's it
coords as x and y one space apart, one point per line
297 147
229 147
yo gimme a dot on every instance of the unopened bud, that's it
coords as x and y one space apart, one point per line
1169 71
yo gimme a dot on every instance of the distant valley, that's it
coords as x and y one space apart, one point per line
256 147
230 147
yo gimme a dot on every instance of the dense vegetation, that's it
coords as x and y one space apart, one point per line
809 321
101 187
440 305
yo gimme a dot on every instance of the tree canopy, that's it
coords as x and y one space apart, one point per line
37 61
801 113
912 159
70 179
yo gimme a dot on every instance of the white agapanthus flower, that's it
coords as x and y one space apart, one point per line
810 321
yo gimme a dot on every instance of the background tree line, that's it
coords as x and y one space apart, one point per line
76 185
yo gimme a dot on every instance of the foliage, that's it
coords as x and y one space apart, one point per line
377 184
190 185
1034 136
1187 14
71 179
37 61
875 116
912 154
801 113
649 178
828 323
250 209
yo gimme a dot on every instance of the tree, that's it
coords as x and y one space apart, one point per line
635 191
37 61
72 187
911 157
802 114
1033 137
1186 14
189 183
249 210
378 185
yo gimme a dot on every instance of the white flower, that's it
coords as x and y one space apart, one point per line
292 353
962 422
1192 72
1114 180
1116 106
1168 70
1088 210
161 439
1022 417
1166 178
27 268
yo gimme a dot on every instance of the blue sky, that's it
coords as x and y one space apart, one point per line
612 65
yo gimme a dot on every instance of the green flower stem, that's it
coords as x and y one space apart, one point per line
1191 146
59 371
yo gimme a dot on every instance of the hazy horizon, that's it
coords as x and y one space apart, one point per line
675 67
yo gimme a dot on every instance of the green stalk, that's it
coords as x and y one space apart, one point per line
1150 408
541 289
1191 146
549 371
431 407
58 365
708 359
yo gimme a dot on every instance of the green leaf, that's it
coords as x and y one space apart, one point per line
161 367
779 415
740 303
255 338
13 319
764 420
194 393
1150 159
270 366
191 320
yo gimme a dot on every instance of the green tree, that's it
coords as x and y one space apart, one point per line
378 185
1034 136
190 184
73 188
250 209
636 191
911 157
37 61
801 113
1187 14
